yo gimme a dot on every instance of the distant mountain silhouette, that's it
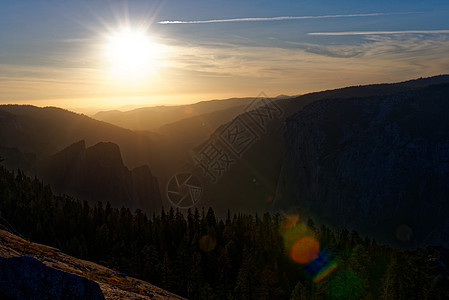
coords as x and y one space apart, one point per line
32 138
44 131
251 182
98 174
17 159
190 132
151 118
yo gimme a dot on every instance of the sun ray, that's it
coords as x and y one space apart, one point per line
131 54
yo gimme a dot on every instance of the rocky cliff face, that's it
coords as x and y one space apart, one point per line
28 278
34 271
379 165
97 173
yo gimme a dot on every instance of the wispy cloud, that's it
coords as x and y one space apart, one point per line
309 67
76 40
380 32
275 18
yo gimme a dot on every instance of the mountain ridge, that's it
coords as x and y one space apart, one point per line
250 184
97 173
374 164
151 118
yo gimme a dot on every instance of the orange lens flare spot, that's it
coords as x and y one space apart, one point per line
188 110
207 243
304 249
290 221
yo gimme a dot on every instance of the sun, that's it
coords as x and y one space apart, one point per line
131 54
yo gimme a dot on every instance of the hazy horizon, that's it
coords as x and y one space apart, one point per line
92 110
91 55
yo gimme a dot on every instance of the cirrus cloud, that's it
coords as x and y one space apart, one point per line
277 18
342 33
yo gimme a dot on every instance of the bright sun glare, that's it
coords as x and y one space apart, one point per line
131 54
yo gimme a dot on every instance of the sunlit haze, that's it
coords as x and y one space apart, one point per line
131 55
88 54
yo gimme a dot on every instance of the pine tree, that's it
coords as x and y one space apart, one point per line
390 282
344 285
246 279
195 280
439 288
359 260
300 292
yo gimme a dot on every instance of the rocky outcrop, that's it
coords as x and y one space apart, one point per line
376 165
28 278
97 173
113 285
14 159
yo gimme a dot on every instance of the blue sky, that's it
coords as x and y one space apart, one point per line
51 51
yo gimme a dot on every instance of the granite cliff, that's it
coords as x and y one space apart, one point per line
379 165
97 173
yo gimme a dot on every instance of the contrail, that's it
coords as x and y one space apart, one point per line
380 32
274 18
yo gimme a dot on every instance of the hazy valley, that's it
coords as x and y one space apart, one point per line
370 160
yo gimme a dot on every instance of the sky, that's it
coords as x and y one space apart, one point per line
67 54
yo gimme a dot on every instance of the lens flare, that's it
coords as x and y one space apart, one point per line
325 272
304 250
404 233
188 110
207 243
321 266
290 220
292 233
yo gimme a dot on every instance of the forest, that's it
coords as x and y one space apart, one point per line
243 256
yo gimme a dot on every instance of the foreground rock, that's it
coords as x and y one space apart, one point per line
85 276
28 278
